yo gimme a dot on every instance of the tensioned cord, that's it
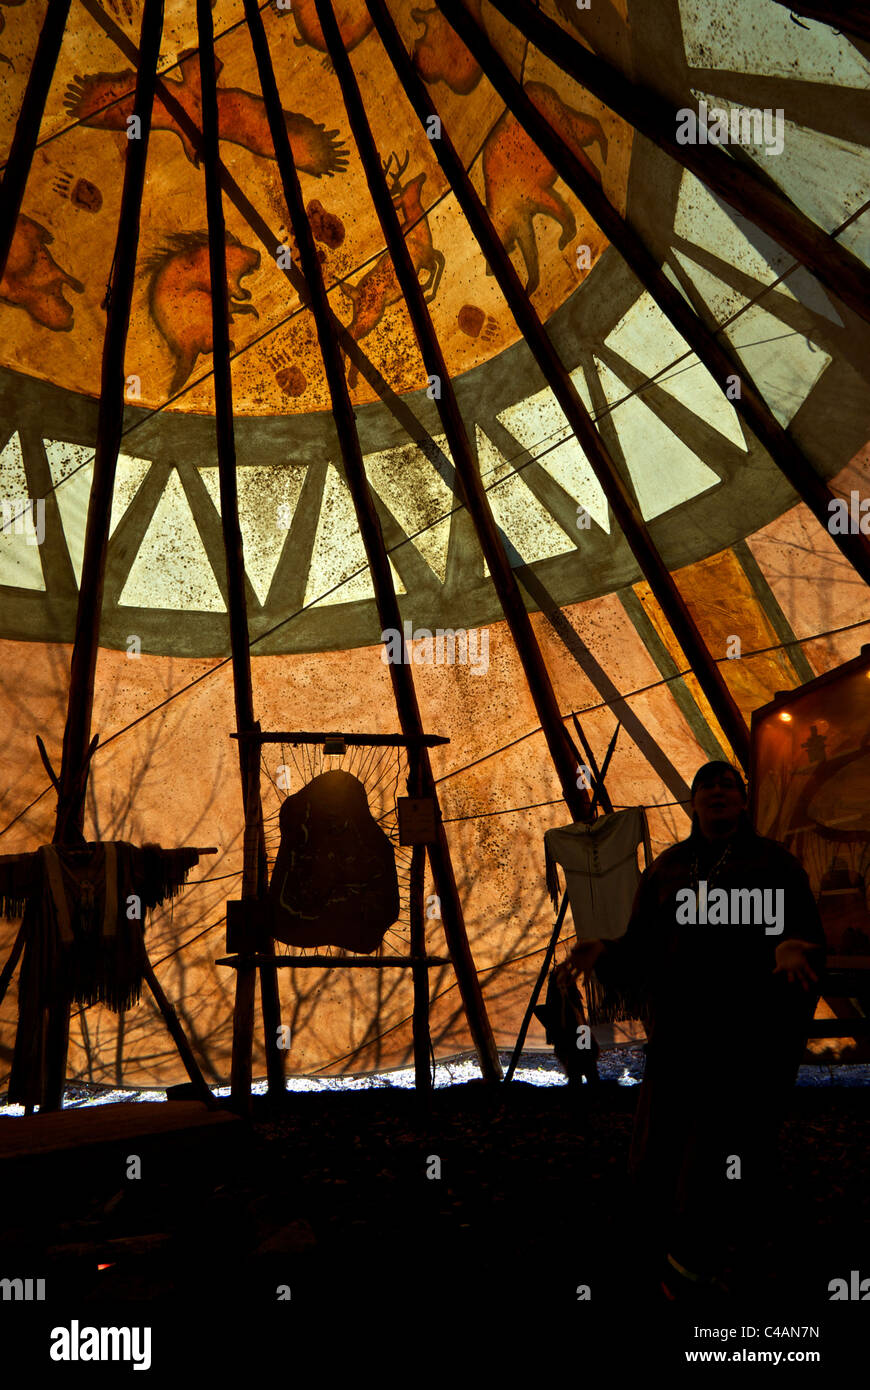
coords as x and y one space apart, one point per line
530 733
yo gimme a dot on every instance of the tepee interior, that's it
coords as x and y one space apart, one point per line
518 468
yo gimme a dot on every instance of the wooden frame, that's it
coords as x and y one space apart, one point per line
248 920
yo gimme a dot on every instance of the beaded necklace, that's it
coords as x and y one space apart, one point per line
710 875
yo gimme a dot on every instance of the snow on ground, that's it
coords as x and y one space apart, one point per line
621 1064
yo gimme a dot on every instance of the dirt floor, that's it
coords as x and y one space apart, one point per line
337 1203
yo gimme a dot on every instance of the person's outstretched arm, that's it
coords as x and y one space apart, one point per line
624 961
800 955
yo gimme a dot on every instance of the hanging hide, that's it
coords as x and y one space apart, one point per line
85 908
84 917
334 881
599 861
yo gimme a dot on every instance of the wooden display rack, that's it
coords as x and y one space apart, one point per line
248 920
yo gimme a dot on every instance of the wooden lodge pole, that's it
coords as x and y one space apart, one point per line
753 195
473 493
720 359
77 743
254 868
176 1032
12 960
373 541
29 120
420 970
622 502
77 732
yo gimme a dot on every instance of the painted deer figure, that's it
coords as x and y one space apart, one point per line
379 287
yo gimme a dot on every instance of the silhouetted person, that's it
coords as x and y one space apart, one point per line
726 983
